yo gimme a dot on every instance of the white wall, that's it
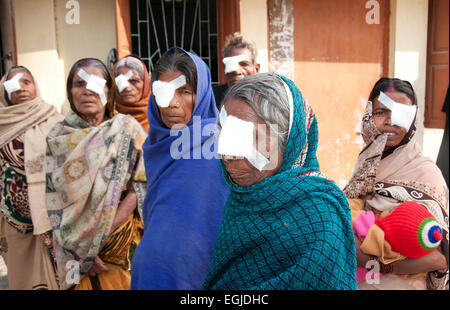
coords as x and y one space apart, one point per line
254 25
49 46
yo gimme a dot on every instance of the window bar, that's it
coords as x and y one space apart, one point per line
154 27
200 29
174 24
138 27
164 22
184 18
150 64
194 24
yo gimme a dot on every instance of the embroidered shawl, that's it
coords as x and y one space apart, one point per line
403 175
87 170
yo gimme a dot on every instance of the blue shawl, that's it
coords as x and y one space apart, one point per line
185 198
290 231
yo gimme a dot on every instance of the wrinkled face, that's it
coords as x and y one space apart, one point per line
27 89
246 67
382 118
180 109
132 93
87 102
241 171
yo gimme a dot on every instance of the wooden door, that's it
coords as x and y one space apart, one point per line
338 58
437 63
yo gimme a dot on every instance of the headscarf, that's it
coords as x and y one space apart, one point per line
183 206
139 109
88 168
33 119
402 175
292 230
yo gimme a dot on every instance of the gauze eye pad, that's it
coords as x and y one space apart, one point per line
236 139
232 63
12 85
402 115
122 80
94 83
164 91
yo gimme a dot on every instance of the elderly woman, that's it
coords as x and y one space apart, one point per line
95 183
25 119
185 195
285 225
391 170
132 88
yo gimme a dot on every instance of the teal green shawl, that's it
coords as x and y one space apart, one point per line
290 231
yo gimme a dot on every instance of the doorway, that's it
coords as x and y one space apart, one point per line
157 25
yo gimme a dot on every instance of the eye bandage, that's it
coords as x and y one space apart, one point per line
232 63
402 115
13 85
236 139
122 80
95 84
164 91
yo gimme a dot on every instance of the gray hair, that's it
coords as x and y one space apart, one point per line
132 63
239 41
266 94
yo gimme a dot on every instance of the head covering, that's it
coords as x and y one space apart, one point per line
138 109
411 230
183 206
403 175
34 119
291 230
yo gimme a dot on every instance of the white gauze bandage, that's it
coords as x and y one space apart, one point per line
402 115
13 84
164 91
122 80
236 139
95 84
232 63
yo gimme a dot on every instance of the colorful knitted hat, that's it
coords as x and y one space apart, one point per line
411 230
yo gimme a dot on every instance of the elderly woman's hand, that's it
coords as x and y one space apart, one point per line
98 267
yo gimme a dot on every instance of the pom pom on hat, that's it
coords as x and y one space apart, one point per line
411 230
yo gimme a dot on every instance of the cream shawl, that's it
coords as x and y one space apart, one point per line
34 119
403 175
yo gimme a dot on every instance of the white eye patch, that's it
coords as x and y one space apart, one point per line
122 80
164 91
95 84
236 139
402 115
232 63
12 85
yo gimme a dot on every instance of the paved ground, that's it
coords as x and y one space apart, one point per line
3 275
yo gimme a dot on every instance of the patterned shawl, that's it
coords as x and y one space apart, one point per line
290 231
139 109
87 170
403 175
185 196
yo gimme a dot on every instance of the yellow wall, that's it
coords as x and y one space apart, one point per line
49 46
